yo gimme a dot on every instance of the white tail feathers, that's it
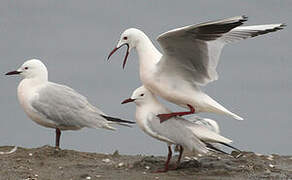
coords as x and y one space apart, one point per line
236 116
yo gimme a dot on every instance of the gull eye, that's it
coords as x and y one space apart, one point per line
26 68
125 38
142 95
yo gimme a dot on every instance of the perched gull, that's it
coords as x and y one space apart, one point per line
186 134
189 60
57 106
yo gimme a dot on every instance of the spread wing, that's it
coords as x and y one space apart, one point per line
193 51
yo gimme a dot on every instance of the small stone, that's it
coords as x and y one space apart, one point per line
187 158
106 160
88 177
156 177
270 157
121 164
147 167
98 175
271 165
36 175
30 154
144 172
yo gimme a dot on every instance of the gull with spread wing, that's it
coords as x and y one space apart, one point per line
189 60
57 106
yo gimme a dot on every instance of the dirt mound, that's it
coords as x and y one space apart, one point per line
48 163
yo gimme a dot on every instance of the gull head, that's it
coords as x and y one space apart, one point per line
140 95
129 38
33 68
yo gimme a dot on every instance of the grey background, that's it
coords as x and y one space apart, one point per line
73 39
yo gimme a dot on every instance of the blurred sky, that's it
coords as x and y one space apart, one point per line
73 39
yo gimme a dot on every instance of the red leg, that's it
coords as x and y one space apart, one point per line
167 162
181 150
58 135
164 117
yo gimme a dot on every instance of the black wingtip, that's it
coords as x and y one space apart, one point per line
117 119
244 18
230 146
210 146
282 25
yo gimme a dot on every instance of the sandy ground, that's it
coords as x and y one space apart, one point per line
48 163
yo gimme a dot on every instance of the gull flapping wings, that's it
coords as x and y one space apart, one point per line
193 51
67 108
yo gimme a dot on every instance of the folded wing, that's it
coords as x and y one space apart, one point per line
67 108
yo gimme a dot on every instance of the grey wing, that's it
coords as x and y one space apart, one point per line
193 52
244 32
67 108
176 131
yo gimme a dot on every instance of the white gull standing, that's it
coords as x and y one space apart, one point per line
57 106
189 60
193 136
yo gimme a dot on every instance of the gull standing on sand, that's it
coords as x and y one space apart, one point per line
189 60
176 131
57 106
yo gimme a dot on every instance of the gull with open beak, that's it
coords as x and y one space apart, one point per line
57 106
194 136
189 60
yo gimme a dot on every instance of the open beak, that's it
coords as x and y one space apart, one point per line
13 73
127 101
126 56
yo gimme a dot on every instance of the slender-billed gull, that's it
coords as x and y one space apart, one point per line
57 106
186 134
189 60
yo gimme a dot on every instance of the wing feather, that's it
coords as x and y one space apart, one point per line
66 107
193 52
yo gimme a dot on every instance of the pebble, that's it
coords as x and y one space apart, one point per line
121 164
147 167
187 158
106 160
30 154
88 177
195 158
271 165
270 157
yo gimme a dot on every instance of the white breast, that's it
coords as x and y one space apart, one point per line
143 119
26 91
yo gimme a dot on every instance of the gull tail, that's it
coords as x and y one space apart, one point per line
118 121
223 110
235 116
213 106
